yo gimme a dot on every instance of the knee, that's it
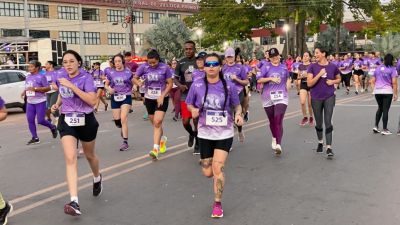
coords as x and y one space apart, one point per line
90 157
329 130
217 168
157 123
206 165
318 129
70 160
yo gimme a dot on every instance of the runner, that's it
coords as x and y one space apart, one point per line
358 73
77 122
365 60
199 73
119 84
36 86
373 63
305 91
295 71
158 82
212 100
321 78
99 79
132 66
345 68
276 83
183 79
236 74
52 95
264 61
175 94
384 83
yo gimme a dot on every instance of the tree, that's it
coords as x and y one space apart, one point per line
327 40
168 37
388 43
248 48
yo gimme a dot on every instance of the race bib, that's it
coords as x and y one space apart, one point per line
75 119
97 83
216 118
154 92
371 72
30 93
119 98
276 95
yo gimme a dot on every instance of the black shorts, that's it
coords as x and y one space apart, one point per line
207 147
117 105
304 86
294 76
101 88
151 105
85 133
241 96
358 72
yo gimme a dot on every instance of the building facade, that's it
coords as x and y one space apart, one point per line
94 28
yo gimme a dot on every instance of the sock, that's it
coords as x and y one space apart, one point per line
328 146
74 199
126 140
2 202
97 179
321 141
157 147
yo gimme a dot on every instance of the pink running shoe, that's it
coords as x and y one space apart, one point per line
311 122
217 211
304 121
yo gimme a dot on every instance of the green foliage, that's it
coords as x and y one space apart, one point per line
387 43
168 37
248 48
327 39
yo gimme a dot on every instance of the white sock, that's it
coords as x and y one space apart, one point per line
328 146
74 199
97 179
321 142
157 147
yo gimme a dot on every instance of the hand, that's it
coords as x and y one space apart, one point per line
54 86
330 82
233 77
322 72
160 101
195 112
183 88
276 80
395 97
66 83
54 108
239 120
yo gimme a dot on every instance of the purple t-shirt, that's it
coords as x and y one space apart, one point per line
398 65
237 70
50 76
198 74
358 64
383 79
2 103
120 81
373 63
213 108
263 63
347 64
321 90
97 77
35 80
303 71
273 93
336 62
295 67
155 79
71 103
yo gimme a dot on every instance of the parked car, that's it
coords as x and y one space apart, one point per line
12 84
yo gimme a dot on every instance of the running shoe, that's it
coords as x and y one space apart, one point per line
124 147
4 213
273 144
398 133
196 150
376 130
329 153
191 141
241 137
362 90
347 92
146 116
356 92
72 209
386 132
54 132
163 144
311 121
246 117
278 150
320 148
105 107
33 141
154 154
304 121
98 187
217 211
130 111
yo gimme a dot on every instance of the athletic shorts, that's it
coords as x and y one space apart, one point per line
207 147
102 88
304 86
358 72
185 113
117 105
152 107
85 133
51 99
294 76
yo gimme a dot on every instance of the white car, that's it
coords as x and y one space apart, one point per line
12 84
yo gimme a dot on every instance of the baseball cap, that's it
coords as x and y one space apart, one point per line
230 52
273 52
201 55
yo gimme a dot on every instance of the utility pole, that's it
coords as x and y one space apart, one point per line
131 34
26 18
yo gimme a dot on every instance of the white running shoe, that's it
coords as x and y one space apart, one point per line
278 150
273 144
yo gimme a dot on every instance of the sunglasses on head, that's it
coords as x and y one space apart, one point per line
211 64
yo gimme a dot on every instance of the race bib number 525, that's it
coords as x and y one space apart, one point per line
216 118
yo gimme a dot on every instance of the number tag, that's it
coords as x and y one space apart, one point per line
119 98
97 83
30 93
75 119
154 92
371 71
276 95
216 118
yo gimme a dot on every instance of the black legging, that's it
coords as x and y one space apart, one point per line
323 112
384 102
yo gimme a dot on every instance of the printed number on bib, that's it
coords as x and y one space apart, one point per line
154 92
30 93
216 118
119 98
371 72
97 83
75 119
276 95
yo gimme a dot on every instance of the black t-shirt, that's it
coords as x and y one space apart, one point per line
183 73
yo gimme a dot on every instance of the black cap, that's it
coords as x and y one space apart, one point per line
273 52
201 55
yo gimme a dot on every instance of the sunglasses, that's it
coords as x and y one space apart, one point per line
211 64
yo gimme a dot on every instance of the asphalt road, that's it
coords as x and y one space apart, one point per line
359 186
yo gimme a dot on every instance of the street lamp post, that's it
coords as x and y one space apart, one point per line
354 42
286 29
199 32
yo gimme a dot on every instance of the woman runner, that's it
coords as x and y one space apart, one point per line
305 96
99 78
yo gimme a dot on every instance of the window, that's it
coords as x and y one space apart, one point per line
11 9
68 13
38 11
138 16
138 39
14 77
90 14
92 57
12 32
268 40
92 38
116 39
115 15
39 33
155 17
71 37
178 16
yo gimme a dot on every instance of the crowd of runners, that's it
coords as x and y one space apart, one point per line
210 94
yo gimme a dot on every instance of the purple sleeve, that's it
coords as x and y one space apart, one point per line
310 69
263 73
234 96
43 81
243 74
1 103
336 71
394 73
168 73
191 96
140 71
89 84
108 77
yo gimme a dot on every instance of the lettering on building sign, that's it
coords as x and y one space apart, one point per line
166 5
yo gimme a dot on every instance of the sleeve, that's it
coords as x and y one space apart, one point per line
43 81
140 71
168 73
234 97
243 73
336 71
263 73
89 84
1 103
310 69
191 96
394 73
